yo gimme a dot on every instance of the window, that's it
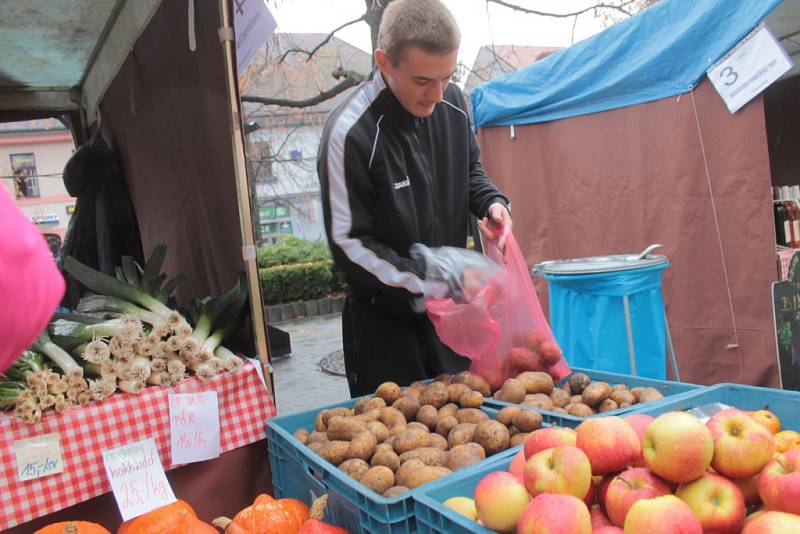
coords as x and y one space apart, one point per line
26 181
296 155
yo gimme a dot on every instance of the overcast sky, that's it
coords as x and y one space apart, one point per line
479 25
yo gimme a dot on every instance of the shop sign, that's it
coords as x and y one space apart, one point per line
194 426
749 68
285 227
265 213
46 218
39 456
253 24
786 314
282 211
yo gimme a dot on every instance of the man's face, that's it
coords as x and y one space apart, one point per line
419 79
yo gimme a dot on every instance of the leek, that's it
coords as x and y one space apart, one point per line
104 303
230 361
29 361
9 393
58 355
70 334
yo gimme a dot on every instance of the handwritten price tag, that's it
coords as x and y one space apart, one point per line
194 426
137 478
39 456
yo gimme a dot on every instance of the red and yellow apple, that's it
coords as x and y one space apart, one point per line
550 513
716 501
771 522
608 529
564 470
500 498
779 483
599 517
749 488
662 515
639 422
628 487
517 466
591 496
742 447
678 447
546 438
610 443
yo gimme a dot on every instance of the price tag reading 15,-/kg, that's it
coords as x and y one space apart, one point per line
137 478
38 456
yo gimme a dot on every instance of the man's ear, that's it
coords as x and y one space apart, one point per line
381 59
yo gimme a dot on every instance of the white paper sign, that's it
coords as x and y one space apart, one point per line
749 68
137 478
39 456
194 426
253 24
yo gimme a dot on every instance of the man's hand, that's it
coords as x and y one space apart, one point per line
497 225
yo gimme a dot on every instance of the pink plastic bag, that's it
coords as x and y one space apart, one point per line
502 328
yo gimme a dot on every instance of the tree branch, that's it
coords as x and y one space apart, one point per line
310 54
351 79
564 15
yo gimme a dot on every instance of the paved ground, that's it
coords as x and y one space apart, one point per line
300 383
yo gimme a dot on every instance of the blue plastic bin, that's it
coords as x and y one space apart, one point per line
667 388
588 301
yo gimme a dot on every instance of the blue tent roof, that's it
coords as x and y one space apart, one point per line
658 53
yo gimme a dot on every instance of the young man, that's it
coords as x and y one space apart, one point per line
398 165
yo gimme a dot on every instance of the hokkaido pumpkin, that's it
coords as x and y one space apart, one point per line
73 527
315 525
266 515
159 521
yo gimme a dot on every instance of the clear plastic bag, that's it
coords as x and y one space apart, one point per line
498 322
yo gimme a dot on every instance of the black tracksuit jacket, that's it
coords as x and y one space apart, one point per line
389 180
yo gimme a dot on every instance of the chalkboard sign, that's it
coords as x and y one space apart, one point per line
786 311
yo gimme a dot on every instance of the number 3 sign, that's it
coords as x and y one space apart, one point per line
749 68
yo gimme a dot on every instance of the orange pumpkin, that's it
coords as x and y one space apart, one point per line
266 515
159 521
315 525
73 527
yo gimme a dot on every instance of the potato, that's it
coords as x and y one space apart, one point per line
423 475
345 428
580 410
636 392
558 409
512 391
455 391
374 403
559 397
444 378
620 387
384 447
379 479
473 399
576 399
476 383
317 437
539 401
395 430
378 430
389 392
461 456
506 415
438 441
354 467
404 471
513 431
650 394
517 439
395 491
460 434
536 382
414 393
301 434
448 409
578 382
362 446
392 417
492 436
358 407
333 451
445 424
319 426
595 393
528 420
373 414
470 415
623 397
418 426
436 395
409 439
565 387
428 415
427 455
387 458
606 406
327 415
408 406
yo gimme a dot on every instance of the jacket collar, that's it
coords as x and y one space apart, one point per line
389 103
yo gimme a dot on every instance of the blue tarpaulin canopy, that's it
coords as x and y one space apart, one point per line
658 53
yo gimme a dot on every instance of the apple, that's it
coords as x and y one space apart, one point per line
633 484
602 490
517 466
771 522
779 483
546 438
742 447
464 506
500 498
599 517
564 470
610 443
591 496
550 513
716 501
662 515
749 488
678 447
608 529
639 422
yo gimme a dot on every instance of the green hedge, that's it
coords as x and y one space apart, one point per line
300 281
293 250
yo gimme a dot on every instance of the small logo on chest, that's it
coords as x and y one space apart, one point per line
401 184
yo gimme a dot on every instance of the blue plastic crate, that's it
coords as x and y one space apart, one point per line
300 473
785 404
666 387
434 516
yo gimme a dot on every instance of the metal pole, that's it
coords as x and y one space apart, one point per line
671 351
629 331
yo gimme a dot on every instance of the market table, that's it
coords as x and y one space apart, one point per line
244 407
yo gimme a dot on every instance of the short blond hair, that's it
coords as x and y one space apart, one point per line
424 23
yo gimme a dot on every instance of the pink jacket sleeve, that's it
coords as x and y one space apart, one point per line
30 284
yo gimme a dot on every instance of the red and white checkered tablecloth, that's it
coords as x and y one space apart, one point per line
785 257
244 407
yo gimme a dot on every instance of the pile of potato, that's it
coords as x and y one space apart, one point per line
400 438
578 396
